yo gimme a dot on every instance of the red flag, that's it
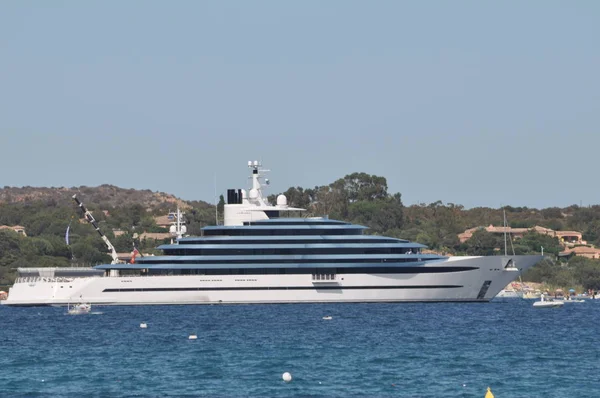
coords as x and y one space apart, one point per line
134 254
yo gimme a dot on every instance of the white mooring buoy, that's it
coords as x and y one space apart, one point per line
192 337
287 377
143 325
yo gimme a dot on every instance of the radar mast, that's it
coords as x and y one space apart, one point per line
178 228
256 194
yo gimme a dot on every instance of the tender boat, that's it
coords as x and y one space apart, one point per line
79 309
508 294
543 303
572 300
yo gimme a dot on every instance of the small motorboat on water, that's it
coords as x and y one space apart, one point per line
504 293
572 300
79 309
543 303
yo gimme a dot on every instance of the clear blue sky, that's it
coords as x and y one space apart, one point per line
470 102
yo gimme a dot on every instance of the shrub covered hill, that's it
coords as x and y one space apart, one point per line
127 215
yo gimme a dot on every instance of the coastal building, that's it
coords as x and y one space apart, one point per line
155 235
582 251
566 238
570 238
514 232
17 228
164 221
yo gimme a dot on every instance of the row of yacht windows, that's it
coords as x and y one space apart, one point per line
201 241
281 232
289 251
411 259
294 271
299 222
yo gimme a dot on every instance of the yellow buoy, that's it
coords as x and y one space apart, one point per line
489 394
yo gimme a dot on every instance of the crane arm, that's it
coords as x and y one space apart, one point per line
88 216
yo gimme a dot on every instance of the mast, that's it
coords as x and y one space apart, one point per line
178 228
504 213
88 216
256 193
247 207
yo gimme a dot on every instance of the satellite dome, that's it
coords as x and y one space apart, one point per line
173 229
183 229
253 193
281 201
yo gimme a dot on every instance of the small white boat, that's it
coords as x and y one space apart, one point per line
508 294
547 303
79 309
572 301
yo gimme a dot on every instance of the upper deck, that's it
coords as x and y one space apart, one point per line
286 226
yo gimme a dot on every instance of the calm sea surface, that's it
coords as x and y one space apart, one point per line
400 350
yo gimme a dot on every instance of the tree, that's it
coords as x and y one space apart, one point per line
542 272
331 201
37 246
123 243
297 197
482 243
535 242
221 208
86 254
380 215
362 186
137 212
588 275
10 247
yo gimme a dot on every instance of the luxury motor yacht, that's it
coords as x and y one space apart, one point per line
263 255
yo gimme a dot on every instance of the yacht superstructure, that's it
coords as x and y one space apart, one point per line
257 256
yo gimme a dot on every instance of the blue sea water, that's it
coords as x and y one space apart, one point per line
396 350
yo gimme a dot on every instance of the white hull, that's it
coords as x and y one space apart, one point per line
548 304
508 294
481 284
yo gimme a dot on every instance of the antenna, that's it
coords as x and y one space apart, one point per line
178 228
